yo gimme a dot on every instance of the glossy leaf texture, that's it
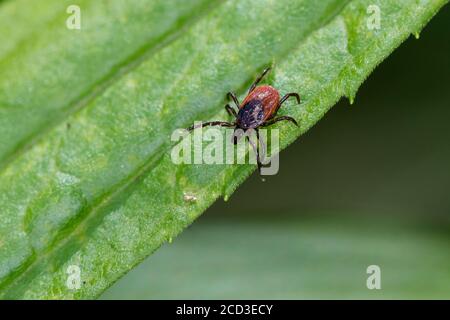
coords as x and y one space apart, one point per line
86 178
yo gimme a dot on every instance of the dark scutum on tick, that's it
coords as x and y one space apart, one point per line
258 110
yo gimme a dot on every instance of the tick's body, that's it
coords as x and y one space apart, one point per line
258 109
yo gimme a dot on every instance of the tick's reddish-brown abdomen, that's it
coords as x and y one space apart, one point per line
269 99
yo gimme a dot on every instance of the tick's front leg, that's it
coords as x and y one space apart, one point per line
258 80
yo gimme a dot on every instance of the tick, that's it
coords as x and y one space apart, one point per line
258 110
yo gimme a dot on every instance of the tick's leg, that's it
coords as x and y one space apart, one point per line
287 96
282 118
212 123
230 111
260 150
232 95
258 80
260 145
256 150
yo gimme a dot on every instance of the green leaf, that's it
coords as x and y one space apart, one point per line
86 115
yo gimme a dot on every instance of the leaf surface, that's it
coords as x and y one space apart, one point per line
86 116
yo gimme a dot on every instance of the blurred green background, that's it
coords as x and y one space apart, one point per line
370 184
